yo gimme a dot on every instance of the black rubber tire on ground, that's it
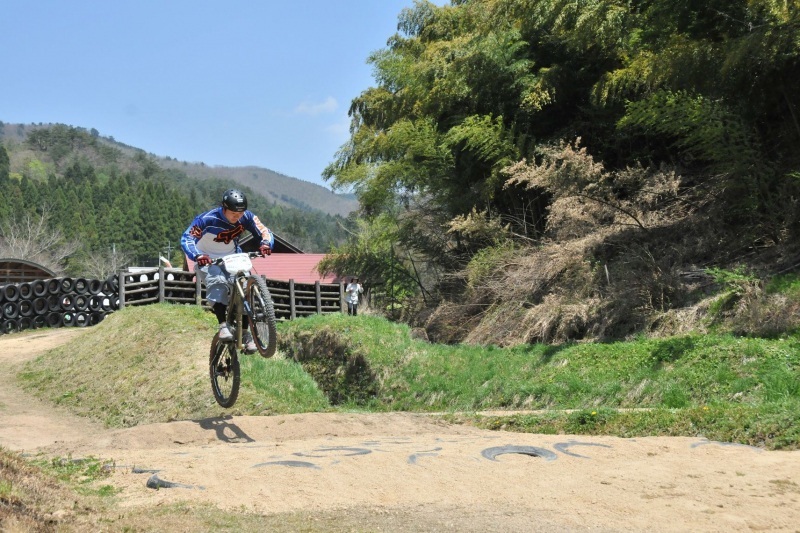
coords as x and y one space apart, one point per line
82 319
111 285
263 325
11 293
10 310
25 290
96 317
41 306
81 286
54 320
67 302
39 288
25 308
54 303
66 285
107 303
25 322
95 286
53 286
39 321
68 319
95 303
81 302
10 326
223 366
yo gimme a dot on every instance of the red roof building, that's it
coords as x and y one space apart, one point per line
299 267
287 262
284 267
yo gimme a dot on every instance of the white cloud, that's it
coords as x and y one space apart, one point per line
329 105
340 130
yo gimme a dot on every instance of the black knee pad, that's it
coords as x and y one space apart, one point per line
219 311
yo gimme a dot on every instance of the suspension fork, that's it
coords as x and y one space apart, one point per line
241 305
245 304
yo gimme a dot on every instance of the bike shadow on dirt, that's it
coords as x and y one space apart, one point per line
226 431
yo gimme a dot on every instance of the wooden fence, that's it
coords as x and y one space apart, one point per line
291 299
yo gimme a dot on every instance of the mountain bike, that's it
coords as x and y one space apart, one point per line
249 296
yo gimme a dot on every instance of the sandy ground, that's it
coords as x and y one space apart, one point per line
404 472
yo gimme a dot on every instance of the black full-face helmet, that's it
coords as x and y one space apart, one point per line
234 200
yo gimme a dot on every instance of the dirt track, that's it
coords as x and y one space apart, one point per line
402 472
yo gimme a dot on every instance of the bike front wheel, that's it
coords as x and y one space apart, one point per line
263 321
224 371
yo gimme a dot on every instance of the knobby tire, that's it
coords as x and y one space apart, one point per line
263 325
224 372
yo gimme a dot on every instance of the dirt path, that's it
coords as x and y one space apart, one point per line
402 472
25 422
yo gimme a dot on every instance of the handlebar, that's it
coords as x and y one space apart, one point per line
218 260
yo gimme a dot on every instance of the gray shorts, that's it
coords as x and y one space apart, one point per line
217 281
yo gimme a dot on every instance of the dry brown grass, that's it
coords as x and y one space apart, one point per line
755 313
31 500
623 254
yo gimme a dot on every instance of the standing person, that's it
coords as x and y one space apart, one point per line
215 234
353 289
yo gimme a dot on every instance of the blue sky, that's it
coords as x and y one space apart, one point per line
235 83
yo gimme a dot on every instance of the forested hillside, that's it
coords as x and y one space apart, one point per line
549 170
73 202
277 188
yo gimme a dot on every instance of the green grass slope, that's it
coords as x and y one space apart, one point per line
722 387
149 364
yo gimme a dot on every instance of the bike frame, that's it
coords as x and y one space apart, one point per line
249 296
241 306
238 305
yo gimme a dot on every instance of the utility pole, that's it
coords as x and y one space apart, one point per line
391 278
168 250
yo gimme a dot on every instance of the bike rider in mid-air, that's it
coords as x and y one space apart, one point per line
215 234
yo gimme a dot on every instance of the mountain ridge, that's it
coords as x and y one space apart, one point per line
273 185
280 188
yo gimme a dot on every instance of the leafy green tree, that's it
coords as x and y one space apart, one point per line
374 255
463 91
5 165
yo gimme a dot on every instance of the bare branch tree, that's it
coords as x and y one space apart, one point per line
32 237
100 265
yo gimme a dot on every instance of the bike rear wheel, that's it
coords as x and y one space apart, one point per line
224 371
263 324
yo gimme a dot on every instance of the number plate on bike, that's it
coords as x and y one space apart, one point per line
237 262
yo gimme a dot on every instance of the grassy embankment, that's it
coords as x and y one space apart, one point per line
149 364
128 368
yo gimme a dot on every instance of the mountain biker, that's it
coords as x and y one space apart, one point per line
215 234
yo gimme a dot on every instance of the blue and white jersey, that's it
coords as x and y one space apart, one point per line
210 233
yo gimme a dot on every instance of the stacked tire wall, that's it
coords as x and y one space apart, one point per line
81 302
56 302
